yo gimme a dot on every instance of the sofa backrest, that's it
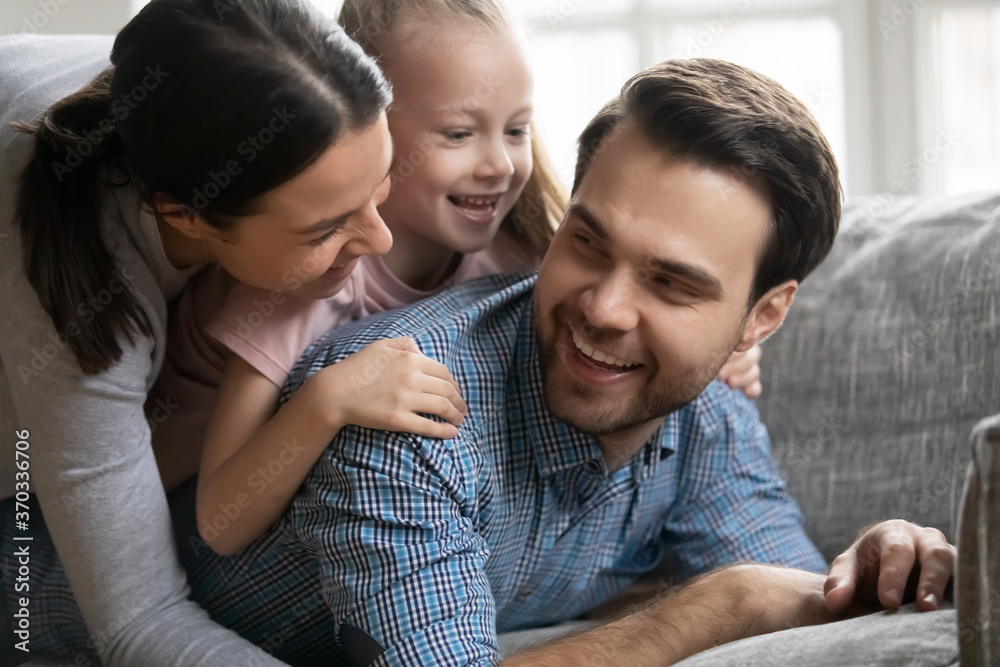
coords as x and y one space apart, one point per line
888 357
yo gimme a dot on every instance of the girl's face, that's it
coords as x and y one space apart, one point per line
311 229
459 122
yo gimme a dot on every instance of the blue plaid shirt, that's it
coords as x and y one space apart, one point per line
404 550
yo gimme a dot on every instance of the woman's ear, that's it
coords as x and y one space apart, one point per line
767 314
182 217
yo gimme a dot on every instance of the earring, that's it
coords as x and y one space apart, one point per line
190 232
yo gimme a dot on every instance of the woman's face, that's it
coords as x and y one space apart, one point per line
311 230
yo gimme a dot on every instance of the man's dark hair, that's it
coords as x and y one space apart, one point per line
719 114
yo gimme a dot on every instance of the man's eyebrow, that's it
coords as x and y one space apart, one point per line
589 219
339 221
689 272
692 274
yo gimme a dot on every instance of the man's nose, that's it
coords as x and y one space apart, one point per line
610 304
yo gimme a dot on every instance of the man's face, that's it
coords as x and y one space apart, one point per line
643 293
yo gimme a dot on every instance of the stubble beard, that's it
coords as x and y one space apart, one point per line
586 408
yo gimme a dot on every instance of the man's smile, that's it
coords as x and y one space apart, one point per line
600 356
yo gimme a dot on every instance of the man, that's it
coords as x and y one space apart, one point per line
596 442
597 445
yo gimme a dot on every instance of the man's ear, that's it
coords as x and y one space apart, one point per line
181 217
767 314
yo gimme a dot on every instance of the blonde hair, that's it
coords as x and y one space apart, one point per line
539 209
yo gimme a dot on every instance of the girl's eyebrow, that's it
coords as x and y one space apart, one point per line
451 112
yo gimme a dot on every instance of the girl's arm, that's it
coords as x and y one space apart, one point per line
742 371
256 455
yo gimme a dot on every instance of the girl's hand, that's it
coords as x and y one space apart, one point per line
742 371
387 384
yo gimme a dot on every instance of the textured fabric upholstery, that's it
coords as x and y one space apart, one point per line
888 358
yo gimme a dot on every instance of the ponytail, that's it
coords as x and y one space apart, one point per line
58 207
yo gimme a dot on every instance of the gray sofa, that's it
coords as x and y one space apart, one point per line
889 357
880 385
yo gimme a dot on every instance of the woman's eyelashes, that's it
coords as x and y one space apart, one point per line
326 237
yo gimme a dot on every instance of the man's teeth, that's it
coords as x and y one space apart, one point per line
597 355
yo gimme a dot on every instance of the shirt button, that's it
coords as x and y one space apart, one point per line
593 465
525 592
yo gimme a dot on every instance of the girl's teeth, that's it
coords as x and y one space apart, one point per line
475 201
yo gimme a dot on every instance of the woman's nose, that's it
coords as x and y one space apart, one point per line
375 237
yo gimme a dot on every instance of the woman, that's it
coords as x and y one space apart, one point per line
248 133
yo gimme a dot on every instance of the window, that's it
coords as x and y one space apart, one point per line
965 153
907 91
798 44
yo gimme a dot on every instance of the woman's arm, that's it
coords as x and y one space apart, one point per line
255 456
93 470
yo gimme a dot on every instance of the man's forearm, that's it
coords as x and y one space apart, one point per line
719 607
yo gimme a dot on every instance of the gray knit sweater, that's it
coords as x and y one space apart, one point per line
91 463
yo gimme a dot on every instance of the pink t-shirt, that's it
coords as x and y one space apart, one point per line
217 315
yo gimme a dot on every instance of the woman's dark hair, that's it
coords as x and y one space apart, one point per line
208 103
719 114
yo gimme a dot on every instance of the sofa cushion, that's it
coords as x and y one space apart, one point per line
887 359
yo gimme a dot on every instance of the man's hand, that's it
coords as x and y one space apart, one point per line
880 562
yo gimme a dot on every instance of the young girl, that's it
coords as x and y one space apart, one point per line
472 194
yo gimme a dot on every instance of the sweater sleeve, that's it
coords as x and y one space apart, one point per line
91 463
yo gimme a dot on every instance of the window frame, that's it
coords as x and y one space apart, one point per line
890 77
